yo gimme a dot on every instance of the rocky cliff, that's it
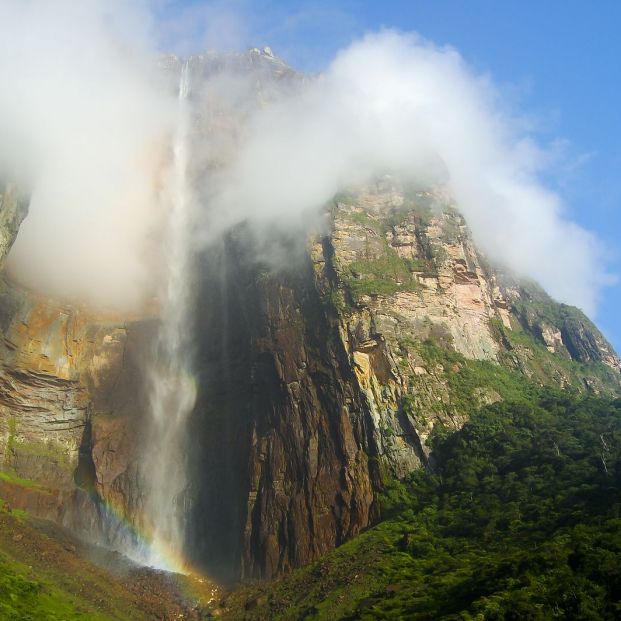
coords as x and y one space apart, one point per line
69 399
432 327
13 210
323 367
316 381
321 379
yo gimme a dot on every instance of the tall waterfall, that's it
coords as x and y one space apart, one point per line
171 384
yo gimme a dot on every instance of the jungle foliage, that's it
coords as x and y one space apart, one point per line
518 519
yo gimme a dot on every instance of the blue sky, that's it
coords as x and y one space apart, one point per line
559 62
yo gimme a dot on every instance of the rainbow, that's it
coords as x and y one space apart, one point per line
148 552
143 548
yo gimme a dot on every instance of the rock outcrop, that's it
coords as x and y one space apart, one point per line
13 210
320 379
282 471
70 410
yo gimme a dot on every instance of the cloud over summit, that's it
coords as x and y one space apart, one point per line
393 102
88 122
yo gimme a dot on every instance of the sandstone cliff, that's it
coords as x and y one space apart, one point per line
316 380
322 378
322 368
70 385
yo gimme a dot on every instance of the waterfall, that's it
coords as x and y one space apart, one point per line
172 390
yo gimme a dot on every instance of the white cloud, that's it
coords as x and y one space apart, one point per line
83 111
395 102
83 122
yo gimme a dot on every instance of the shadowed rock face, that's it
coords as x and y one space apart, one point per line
282 469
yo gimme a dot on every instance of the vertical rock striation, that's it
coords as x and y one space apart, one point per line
281 425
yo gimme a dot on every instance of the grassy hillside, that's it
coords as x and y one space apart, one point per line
520 519
48 575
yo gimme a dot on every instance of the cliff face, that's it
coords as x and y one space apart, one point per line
281 428
69 406
316 380
70 398
322 367
319 379
434 330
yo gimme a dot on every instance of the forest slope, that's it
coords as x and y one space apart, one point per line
519 519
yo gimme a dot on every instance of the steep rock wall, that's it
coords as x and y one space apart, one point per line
426 318
281 423
315 380
70 406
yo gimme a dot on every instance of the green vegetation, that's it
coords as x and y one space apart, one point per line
422 206
11 477
336 300
408 211
10 443
388 273
19 514
50 451
550 368
364 219
582 341
465 376
521 519
425 266
25 599
451 229
538 305
385 275
45 575
440 255
469 382
33 587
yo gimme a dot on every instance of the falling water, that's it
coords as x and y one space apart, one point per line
172 386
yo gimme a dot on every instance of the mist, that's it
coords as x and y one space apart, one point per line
84 126
393 102
87 120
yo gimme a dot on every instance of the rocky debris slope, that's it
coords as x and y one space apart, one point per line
48 573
